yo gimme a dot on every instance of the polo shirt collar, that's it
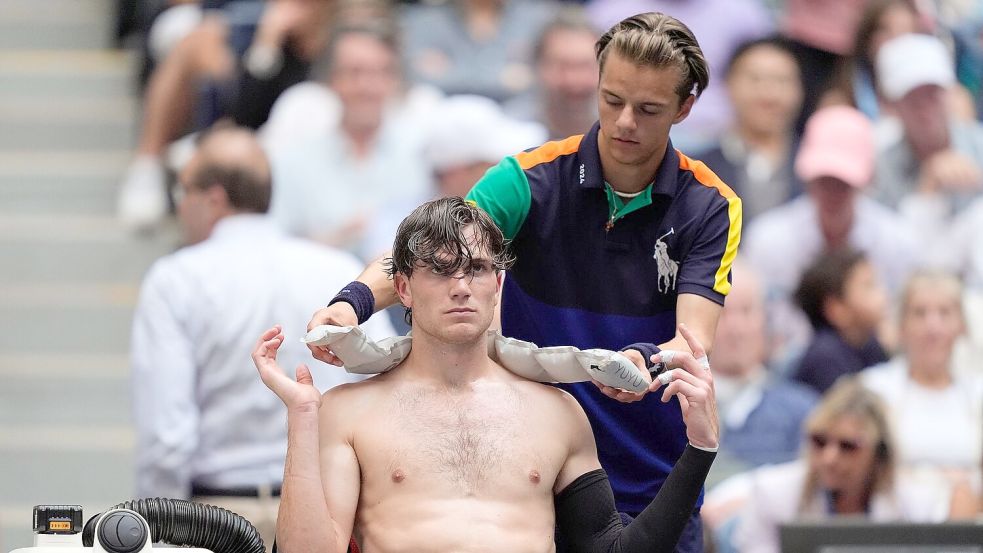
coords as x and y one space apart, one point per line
592 175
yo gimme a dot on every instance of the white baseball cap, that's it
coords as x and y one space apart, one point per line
469 129
909 61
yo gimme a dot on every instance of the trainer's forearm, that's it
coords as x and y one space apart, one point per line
303 523
375 277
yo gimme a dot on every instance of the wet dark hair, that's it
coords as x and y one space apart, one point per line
433 235
826 278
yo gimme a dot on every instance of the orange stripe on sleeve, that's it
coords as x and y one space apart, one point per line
548 152
704 175
707 178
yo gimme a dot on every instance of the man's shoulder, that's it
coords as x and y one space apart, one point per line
698 173
354 399
551 401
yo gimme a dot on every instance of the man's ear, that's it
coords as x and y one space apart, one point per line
684 109
401 283
835 311
217 197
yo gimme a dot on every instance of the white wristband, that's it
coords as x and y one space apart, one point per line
707 449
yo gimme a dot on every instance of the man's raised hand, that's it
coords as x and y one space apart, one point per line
338 314
691 381
296 395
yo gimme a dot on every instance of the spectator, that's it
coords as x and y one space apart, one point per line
846 304
276 43
564 98
853 82
936 410
822 35
836 162
720 26
848 469
479 47
207 429
755 154
331 186
934 162
761 415
471 135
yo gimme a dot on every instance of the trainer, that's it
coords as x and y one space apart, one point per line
618 236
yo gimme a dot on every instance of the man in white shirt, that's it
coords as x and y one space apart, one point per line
206 427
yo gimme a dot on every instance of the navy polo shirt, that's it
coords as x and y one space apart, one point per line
592 272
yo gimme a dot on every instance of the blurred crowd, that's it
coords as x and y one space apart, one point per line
847 359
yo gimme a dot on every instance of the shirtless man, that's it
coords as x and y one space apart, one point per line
449 451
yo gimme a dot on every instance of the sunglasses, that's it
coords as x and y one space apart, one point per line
820 441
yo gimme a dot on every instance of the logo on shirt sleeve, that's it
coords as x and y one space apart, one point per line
666 266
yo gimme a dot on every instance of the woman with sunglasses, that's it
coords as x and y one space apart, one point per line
847 469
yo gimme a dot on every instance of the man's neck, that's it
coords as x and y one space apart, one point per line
565 120
361 138
773 145
930 374
627 178
856 335
445 364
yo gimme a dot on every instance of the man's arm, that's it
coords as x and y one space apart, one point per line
694 312
702 284
700 316
321 474
585 506
165 412
342 313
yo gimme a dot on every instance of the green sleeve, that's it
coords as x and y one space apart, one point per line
504 194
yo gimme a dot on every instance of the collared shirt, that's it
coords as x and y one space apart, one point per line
585 279
202 413
321 189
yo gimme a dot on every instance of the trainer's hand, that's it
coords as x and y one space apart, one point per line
692 383
300 395
625 396
338 314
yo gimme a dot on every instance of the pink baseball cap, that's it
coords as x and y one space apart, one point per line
838 142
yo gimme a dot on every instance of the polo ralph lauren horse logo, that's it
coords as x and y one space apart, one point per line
666 266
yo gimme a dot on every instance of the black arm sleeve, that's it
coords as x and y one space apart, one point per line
590 523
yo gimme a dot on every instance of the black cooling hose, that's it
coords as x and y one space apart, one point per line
183 523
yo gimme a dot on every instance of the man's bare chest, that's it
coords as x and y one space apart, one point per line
488 446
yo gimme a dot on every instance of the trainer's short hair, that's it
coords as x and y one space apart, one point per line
658 40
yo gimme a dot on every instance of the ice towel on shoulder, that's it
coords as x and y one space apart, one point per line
362 355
